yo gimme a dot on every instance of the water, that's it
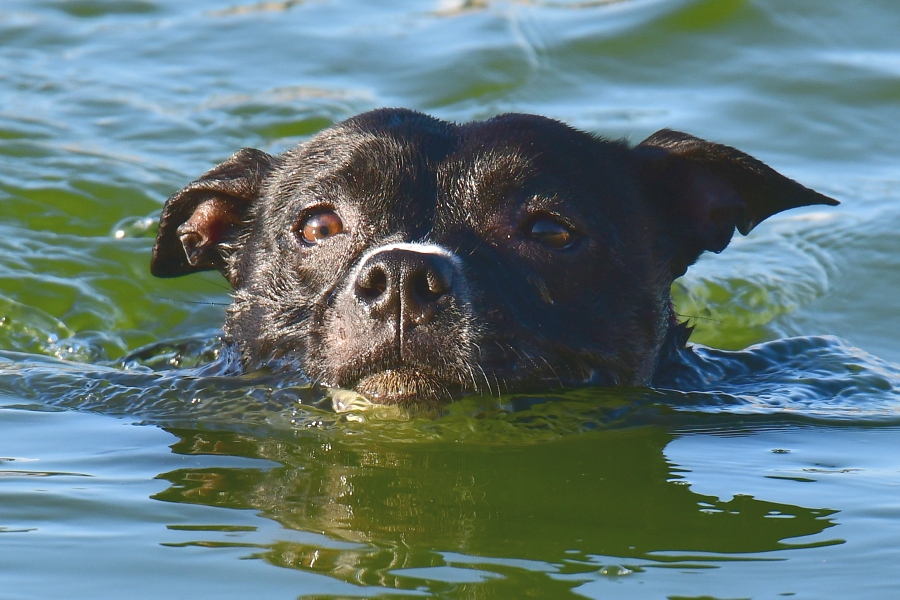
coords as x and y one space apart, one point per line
130 466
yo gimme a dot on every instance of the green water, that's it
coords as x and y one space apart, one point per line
128 468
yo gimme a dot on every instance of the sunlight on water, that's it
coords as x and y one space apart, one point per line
766 467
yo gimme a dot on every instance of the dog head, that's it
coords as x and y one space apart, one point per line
413 259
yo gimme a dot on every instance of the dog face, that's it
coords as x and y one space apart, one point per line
417 260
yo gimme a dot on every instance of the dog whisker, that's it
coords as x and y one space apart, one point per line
182 301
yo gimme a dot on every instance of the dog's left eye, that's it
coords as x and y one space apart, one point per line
319 226
551 233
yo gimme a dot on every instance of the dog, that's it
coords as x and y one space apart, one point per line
416 260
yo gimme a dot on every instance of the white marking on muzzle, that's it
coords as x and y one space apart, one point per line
421 248
461 290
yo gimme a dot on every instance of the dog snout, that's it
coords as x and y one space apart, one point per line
405 284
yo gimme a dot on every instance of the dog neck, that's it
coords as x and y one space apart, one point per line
673 346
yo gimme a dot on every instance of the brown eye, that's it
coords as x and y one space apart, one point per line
551 233
320 226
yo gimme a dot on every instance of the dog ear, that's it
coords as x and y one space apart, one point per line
200 224
704 191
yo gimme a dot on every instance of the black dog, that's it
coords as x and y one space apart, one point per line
413 259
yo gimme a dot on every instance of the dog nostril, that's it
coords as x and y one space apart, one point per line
372 283
435 280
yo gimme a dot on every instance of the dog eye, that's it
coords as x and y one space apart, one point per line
551 233
319 226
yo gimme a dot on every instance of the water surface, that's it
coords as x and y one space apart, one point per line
130 466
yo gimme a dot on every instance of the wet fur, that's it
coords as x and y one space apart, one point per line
519 315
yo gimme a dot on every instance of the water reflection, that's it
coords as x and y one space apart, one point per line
491 498
559 512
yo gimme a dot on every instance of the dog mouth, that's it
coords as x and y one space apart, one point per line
407 385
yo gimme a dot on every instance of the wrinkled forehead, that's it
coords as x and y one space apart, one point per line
495 166
529 162
415 167
357 157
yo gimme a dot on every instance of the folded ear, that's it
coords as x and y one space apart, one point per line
200 225
703 191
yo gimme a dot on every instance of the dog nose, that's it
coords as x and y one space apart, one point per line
404 283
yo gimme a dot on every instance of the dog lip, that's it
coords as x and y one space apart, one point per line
406 385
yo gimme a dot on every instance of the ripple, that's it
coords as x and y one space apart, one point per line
191 382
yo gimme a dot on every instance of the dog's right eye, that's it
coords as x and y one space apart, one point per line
319 226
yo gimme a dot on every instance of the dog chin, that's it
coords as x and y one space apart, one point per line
407 385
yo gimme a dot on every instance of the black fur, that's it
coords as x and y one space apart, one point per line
511 254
